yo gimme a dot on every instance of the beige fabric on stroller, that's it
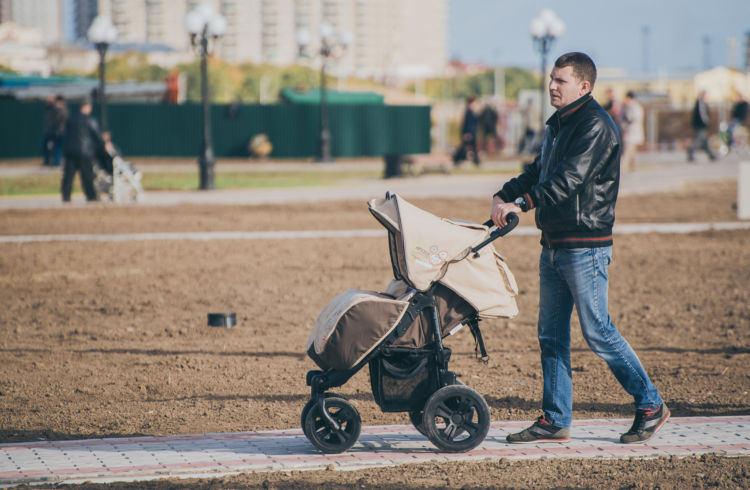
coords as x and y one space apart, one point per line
426 249
433 250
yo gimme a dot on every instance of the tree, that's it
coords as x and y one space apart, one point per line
480 84
517 79
132 66
243 83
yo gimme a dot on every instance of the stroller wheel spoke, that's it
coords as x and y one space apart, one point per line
471 428
464 405
443 411
451 430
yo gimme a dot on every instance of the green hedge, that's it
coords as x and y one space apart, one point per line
147 129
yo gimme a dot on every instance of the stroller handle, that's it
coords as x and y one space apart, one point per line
512 219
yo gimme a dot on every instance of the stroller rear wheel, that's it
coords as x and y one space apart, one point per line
417 420
416 417
456 418
331 438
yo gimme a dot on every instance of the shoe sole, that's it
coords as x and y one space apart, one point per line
535 441
657 429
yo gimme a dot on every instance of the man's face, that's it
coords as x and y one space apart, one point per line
565 88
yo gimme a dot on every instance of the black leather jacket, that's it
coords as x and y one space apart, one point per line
574 180
82 137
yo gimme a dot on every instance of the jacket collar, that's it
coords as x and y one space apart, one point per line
563 115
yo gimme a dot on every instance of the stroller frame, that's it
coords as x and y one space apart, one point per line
455 417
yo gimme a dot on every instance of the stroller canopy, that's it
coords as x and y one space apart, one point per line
426 249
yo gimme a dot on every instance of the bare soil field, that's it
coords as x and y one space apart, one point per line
110 339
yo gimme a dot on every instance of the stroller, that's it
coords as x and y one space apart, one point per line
116 178
446 275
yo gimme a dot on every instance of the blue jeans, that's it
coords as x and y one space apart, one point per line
578 277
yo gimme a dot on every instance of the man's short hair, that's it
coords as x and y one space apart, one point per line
583 66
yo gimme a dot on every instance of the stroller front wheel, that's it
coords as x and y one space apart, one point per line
331 438
456 418
311 403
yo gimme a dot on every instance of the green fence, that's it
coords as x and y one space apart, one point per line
142 129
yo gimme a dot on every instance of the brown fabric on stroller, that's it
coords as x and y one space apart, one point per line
452 310
350 326
355 322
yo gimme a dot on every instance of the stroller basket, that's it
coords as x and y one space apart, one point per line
403 379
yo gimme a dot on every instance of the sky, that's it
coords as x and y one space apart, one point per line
496 32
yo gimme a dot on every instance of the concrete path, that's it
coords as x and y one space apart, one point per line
624 229
216 455
661 172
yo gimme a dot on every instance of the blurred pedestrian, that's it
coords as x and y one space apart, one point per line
55 116
699 121
614 108
573 185
488 120
83 142
531 139
632 131
739 114
468 141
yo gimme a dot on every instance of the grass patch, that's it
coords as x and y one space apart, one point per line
32 185
251 180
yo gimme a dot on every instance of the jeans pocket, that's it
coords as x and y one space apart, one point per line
602 259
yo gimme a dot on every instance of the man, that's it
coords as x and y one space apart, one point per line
55 116
613 108
699 122
572 184
468 133
632 130
488 119
82 143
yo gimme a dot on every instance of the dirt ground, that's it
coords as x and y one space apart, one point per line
108 339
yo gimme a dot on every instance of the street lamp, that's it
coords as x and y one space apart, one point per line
329 48
205 27
102 33
544 28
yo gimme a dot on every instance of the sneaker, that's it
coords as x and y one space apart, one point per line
646 424
541 431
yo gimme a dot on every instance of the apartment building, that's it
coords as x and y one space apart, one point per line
390 39
45 15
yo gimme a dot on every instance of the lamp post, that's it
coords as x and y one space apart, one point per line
329 48
102 33
544 28
205 27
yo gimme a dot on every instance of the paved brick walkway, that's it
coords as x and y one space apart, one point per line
214 455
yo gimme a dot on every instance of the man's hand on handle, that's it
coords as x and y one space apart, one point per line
500 210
